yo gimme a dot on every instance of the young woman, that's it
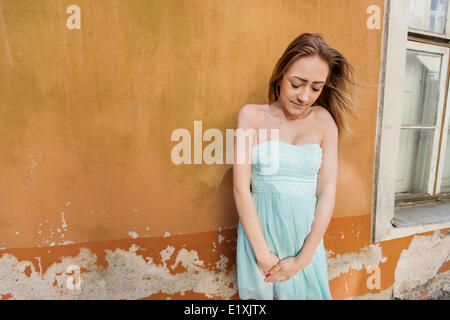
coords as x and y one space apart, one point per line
285 211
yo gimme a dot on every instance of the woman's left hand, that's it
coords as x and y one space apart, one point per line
285 270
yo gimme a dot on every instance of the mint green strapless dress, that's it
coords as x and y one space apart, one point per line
283 187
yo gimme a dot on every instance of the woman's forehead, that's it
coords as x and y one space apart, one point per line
313 69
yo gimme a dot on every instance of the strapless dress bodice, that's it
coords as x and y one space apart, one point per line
280 167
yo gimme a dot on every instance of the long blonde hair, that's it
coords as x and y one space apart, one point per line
337 94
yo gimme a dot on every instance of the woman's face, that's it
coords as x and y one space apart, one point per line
302 84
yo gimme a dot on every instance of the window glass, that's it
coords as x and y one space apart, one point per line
428 15
421 95
414 159
418 123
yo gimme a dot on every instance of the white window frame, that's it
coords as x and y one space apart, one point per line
390 100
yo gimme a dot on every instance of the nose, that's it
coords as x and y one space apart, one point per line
303 96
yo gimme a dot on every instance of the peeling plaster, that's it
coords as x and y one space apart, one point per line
30 176
128 276
222 263
418 265
47 238
342 263
382 295
166 254
439 286
133 234
64 225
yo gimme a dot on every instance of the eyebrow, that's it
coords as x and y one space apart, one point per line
307 80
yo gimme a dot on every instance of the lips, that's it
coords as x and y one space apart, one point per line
300 105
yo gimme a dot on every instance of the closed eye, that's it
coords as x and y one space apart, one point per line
296 87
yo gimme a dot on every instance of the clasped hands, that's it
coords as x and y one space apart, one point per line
274 269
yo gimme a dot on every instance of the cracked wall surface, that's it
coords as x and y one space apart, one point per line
128 276
418 271
203 266
136 272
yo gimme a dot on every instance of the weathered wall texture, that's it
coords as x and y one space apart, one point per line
91 205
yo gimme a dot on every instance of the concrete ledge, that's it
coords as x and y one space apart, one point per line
429 213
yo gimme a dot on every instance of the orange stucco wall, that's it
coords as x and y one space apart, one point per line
85 137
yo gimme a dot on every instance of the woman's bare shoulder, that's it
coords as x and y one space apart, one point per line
324 117
326 122
251 114
254 108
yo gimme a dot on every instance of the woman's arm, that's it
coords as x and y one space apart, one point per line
242 172
326 190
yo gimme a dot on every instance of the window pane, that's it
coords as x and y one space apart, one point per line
421 95
414 161
428 15
445 182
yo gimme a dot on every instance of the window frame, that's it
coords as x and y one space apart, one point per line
392 79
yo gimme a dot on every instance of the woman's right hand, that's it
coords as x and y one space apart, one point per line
267 262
